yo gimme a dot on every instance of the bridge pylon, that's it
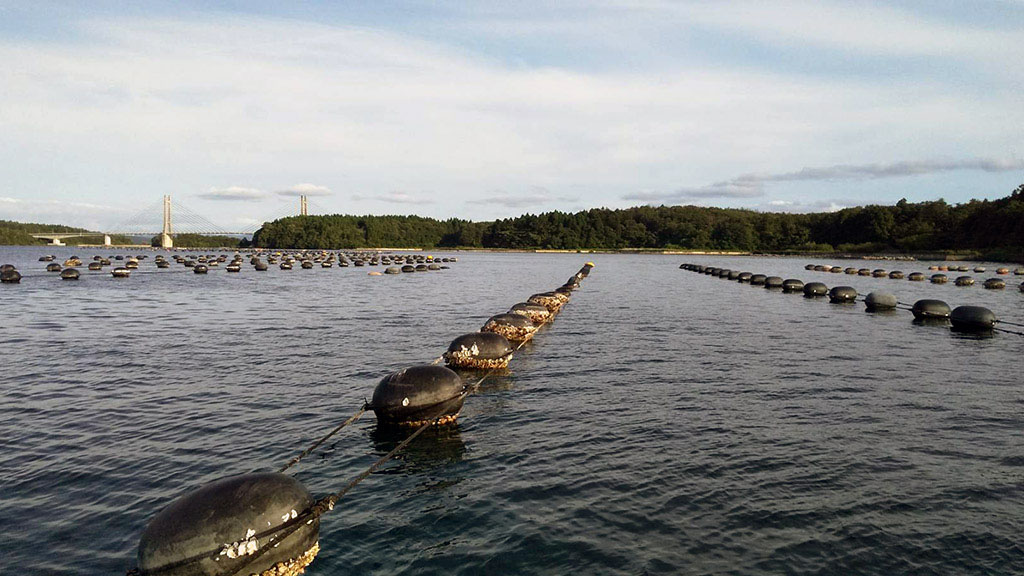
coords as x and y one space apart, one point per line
165 236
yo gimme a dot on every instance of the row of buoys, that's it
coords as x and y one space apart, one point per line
994 283
268 523
975 319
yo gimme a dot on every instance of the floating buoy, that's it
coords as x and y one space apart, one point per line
896 275
880 301
535 312
514 327
432 266
916 277
549 300
979 269
131 264
773 283
836 270
757 279
809 267
964 281
233 268
392 270
930 310
994 284
95 266
814 289
10 275
69 274
408 268
842 294
418 395
864 272
198 268
260 266
939 278
120 272
878 273
734 274
820 268
53 267
163 264
851 271
1018 272
285 265
481 350
744 277
1002 271
791 285
972 319
375 273
215 529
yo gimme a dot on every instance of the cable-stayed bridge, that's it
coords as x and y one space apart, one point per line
175 219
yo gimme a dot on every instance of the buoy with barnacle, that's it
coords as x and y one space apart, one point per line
234 525
480 350
418 395
514 327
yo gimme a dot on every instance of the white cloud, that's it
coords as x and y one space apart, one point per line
233 193
282 100
305 190
397 198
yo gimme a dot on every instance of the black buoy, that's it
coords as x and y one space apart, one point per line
995 284
744 277
809 267
878 273
896 275
418 395
514 327
69 274
549 300
773 282
234 267
408 268
864 272
972 319
53 267
482 350
792 285
851 271
930 310
535 312
120 272
392 270
880 301
306 264
842 294
10 275
964 281
757 279
199 269
218 528
916 277
939 278
815 289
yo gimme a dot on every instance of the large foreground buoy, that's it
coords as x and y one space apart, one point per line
418 395
995 284
10 276
514 327
218 528
69 274
972 319
880 301
930 310
482 350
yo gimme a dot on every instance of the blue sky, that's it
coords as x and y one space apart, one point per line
490 110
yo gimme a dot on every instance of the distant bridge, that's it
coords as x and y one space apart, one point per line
143 224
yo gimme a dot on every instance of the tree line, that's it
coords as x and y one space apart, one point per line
984 225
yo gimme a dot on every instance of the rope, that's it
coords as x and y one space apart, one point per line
997 329
1010 323
316 444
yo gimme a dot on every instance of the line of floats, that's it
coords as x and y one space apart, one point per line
202 264
994 283
268 523
969 319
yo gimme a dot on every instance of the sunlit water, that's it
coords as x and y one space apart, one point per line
666 423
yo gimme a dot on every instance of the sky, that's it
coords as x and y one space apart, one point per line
494 109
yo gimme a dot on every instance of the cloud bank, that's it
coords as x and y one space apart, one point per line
235 193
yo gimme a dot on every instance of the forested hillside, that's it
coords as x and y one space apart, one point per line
975 225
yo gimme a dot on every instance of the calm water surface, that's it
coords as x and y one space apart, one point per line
666 423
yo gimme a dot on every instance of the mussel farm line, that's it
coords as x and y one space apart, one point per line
967 319
268 523
993 283
124 266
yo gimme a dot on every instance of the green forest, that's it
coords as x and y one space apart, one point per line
986 226
19 233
